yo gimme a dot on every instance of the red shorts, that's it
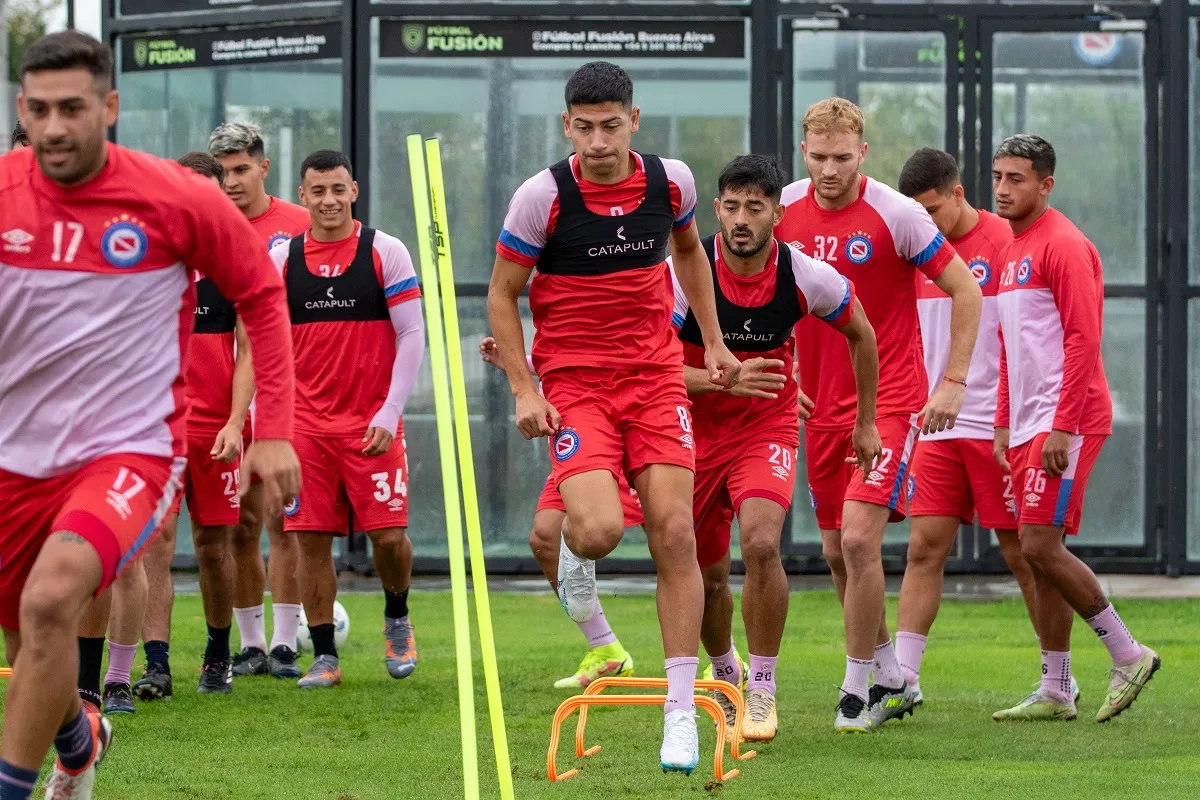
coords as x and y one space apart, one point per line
622 421
831 481
765 467
117 503
550 499
1042 500
961 478
211 486
339 479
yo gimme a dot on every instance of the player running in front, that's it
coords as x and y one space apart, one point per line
241 150
606 657
359 338
956 475
876 237
1053 415
96 307
746 433
597 226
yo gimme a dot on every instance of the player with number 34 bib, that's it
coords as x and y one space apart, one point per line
359 338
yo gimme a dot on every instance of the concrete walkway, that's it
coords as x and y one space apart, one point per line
959 587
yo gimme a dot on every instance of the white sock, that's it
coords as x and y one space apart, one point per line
887 668
857 672
251 627
287 622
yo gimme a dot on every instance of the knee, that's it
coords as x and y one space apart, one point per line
859 551
673 541
760 547
1038 551
247 537
544 538
388 539
715 586
315 548
50 604
595 537
832 551
922 552
212 546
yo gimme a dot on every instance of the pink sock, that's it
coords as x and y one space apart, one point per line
1056 674
251 627
120 660
887 668
857 673
1123 648
597 630
287 622
681 684
762 673
910 649
725 668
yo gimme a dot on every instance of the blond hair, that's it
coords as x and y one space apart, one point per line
834 115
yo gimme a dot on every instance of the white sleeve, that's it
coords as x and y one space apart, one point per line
679 310
826 292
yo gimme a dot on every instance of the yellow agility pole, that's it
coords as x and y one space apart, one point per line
441 394
466 463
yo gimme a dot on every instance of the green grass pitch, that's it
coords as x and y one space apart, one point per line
375 738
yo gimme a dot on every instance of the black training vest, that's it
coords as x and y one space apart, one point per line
353 296
586 243
214 314
755 330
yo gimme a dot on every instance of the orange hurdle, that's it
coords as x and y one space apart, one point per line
5 672
582 701
600 684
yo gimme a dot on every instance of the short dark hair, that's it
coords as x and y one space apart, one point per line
926 169
753 172
1027 145
70 50
599 82
19 136
204 164
325 161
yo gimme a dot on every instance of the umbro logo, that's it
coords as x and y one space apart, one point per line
17 241
1033 499
797 245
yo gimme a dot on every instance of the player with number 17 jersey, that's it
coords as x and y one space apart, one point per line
878 242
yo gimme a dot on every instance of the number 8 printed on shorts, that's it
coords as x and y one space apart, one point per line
685 422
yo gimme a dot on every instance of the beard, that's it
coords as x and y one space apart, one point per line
747 248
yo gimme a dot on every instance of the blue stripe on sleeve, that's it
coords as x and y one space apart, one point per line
929 252
402 286
845 302
518 245
677 319
683 223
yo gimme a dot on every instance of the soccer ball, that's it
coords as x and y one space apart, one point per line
341 629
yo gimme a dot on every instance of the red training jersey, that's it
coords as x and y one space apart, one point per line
981 248
620 320
876 242
211 358
719 420
97 309
1051 319
344 369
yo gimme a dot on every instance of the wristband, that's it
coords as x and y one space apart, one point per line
948 379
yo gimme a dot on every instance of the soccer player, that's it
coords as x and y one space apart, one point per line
240 149
606 657
1053 415
96 306
597 226
359 338
19 137
746 433
956 475
876 237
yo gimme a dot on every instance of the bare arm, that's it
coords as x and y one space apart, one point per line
864 357
228 443
956 280
508 279
697 381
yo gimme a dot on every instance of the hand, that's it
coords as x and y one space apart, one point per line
1056 453
806 406
378 441
274 461
941 412
228 444
721 364
490 353
868 447
535 416
754 379
1000 448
